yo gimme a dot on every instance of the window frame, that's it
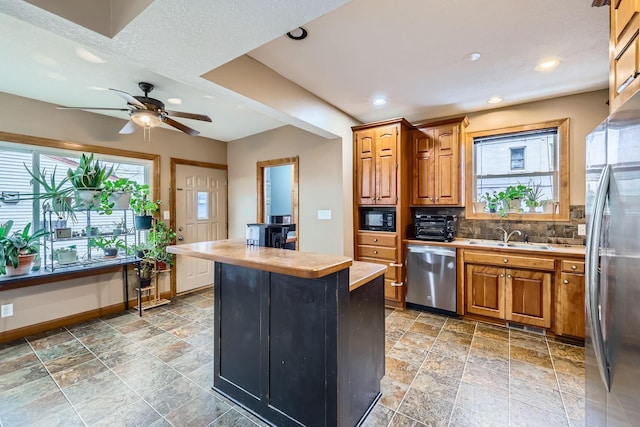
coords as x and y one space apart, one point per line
562 213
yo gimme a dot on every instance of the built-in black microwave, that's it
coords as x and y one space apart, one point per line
378 219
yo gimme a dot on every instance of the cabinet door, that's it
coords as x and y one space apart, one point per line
528 297
424 174
447 167
365 166
386 165
485 290
570 305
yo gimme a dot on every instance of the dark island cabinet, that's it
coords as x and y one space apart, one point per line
298 351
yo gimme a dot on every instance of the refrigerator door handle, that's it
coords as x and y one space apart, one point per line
593 277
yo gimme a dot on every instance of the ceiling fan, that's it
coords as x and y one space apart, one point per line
148 112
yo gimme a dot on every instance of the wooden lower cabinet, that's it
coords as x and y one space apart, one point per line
517 295
381 248
570 289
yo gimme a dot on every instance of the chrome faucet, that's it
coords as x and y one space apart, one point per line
506 235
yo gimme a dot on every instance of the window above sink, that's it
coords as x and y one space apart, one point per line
533 156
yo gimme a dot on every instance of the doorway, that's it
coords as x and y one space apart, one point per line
199 214
278 190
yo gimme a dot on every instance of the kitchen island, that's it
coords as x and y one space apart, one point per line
298 337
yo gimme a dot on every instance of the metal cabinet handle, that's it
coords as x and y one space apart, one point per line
375 240
375 252
573 267
431 198
565 281
501 274
392 264
396 284
437 198
505 260
508 276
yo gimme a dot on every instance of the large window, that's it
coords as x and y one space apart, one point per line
18 189
534 156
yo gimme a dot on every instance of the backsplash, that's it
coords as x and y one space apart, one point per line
538 231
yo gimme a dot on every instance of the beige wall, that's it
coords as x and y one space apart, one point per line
585 111
320 184
24 116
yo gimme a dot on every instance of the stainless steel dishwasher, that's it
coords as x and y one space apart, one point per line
431 277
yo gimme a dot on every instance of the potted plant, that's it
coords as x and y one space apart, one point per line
144 207
18 250
110 246
55 196
145 272
479 204
159 238
548 206
533 196
118 228
88 179
116 195
513 196
492 201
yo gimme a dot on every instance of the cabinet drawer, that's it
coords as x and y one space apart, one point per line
626 65
506 260
377 239
572 266
377 252
392 270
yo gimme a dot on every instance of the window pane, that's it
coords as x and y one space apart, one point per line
203 205
14 178
527 158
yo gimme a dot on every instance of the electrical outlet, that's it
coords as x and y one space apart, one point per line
582 229
6 310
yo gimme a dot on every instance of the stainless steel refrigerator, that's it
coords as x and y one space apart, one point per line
612 344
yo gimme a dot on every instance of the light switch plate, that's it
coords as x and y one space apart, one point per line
324 214
582 229
6 310
165 215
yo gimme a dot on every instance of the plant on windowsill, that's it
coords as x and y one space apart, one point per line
109 246
532 198
116 195
492 201
57 197
18 249
88 179
144 207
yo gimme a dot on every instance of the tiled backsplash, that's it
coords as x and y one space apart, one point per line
538 231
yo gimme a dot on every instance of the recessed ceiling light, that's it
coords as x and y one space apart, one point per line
88 56
298 34
471 57
379 101
547 65
494 100
176 101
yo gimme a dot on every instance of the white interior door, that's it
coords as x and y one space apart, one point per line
201 215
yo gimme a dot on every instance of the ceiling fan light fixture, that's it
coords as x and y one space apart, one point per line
146 119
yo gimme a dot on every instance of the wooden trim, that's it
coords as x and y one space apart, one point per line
75 146
382 123
295 189
173 162
462 120
563 171
58 323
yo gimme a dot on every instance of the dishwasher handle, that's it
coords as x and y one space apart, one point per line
437 250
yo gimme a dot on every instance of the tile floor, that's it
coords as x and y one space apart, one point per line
157 371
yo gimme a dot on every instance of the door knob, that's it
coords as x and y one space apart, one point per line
180 238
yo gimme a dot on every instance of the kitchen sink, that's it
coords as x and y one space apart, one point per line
513 245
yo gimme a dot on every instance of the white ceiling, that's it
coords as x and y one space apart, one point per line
410 51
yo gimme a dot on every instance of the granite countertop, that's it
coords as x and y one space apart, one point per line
237 252
539 248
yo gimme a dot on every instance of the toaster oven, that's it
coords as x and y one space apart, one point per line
439 228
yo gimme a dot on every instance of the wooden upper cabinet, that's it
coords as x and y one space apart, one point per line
625 60
376 151
437 163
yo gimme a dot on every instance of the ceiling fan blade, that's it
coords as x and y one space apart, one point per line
129 98
60 107
130 127
192 116
180 126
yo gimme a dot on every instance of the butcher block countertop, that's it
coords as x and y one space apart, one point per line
282 261
362 273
